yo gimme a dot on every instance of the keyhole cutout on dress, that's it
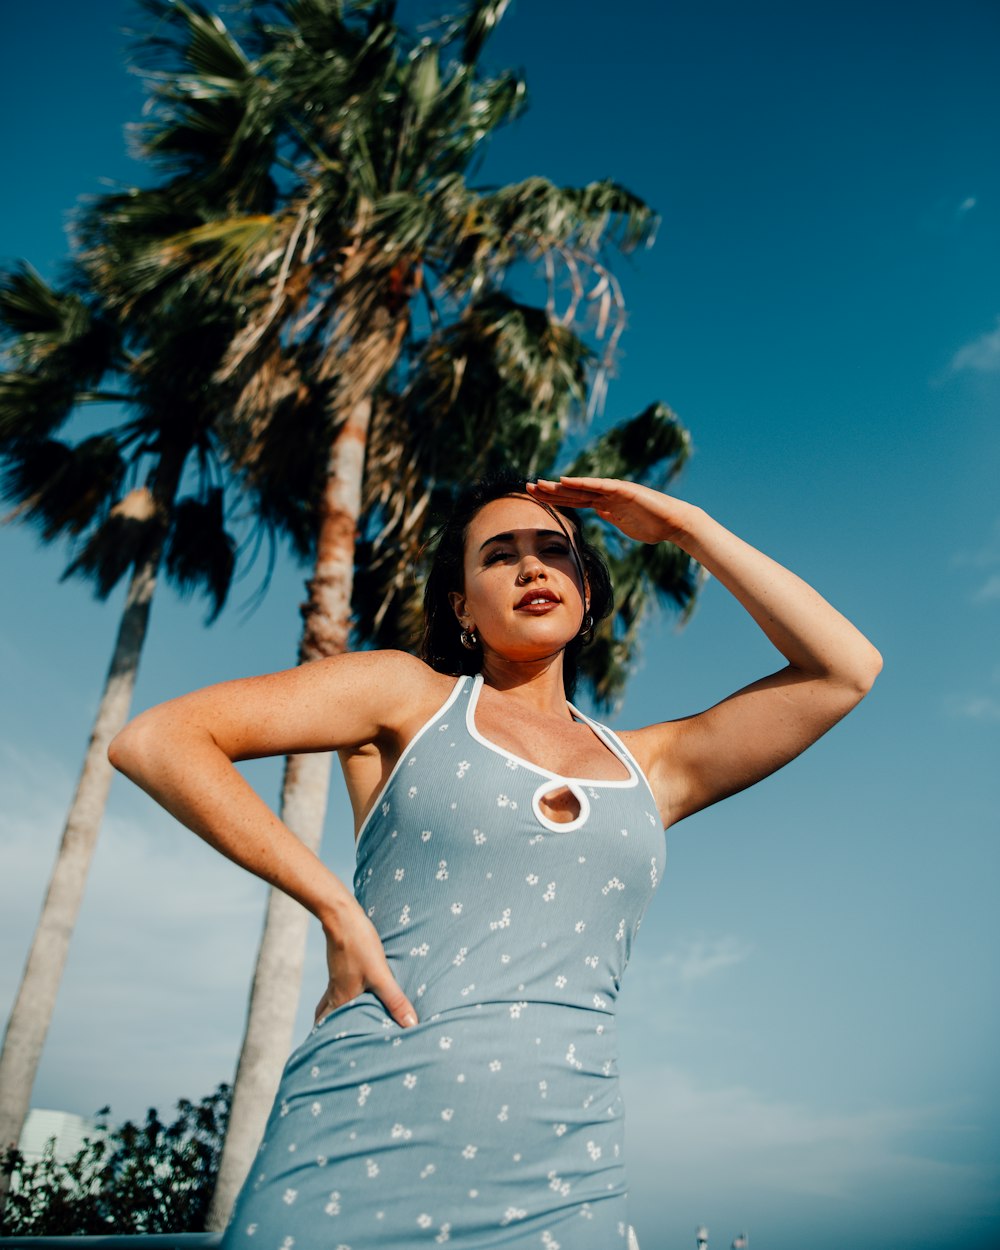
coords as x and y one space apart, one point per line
560 805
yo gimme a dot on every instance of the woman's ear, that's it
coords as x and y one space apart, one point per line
457 601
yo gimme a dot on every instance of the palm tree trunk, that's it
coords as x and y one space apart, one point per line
278 976
32 1013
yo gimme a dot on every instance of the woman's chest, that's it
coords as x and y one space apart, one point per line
564 748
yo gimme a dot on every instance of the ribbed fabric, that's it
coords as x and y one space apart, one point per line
496 1121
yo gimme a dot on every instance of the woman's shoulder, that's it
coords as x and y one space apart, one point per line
389 665
394 679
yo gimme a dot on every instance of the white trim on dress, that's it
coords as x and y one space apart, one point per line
458 687
623 757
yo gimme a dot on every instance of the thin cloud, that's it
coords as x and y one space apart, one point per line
696 960
947 215
984 558
777 1162
982 355
985 555
989 590
979 707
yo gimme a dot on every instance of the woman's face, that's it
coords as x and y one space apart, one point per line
523 595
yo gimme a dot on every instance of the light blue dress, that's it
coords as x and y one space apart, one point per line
497 1121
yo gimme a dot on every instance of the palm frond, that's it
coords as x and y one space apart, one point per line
482 19
228 251
110 228
59 349
423 81
501 344
454 125
123 541
276 442
209 108
61 488
652 448
32 406
54 331
35 311
200 554
534 215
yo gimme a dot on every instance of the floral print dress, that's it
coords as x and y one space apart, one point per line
496 1122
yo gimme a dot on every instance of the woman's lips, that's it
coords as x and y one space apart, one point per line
538 607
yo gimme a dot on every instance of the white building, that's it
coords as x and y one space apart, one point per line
68 1129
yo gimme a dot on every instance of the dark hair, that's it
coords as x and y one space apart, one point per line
441 646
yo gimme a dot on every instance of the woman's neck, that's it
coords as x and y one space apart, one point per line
537 684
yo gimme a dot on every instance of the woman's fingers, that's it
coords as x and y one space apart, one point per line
586 489
336 995
356 963
601 494
638 511
323 1008
395 1001
386 989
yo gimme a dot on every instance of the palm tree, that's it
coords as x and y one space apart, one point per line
117 495
380 360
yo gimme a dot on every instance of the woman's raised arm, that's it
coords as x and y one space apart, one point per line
831 665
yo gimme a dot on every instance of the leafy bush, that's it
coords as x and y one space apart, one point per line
148 1178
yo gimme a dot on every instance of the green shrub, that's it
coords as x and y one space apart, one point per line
148 1178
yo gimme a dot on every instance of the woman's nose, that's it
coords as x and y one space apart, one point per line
530 569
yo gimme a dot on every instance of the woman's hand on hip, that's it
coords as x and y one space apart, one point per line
640 512
356 962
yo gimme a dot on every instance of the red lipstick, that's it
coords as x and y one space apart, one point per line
546 596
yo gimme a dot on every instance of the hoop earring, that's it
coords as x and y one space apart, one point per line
469 639
587 627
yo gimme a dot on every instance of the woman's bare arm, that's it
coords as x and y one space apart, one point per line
831 665
182 753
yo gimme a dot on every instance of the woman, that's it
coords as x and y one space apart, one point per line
460 1083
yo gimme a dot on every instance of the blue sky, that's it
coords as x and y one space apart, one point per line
810 1021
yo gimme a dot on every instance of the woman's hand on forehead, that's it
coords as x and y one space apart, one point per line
638 511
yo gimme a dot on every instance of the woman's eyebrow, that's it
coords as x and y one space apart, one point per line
510 535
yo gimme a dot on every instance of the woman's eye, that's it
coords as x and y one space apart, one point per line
500 553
